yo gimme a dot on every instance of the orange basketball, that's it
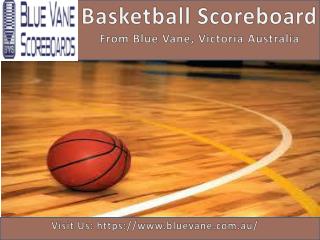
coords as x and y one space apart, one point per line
88 160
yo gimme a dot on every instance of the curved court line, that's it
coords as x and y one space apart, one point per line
310 205
301 197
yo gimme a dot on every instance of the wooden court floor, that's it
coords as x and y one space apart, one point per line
178 129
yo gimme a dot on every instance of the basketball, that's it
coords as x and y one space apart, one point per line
88 160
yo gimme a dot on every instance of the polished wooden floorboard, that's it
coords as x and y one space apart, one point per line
42 101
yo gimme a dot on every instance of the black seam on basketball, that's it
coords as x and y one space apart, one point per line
88 139
83 159
124 169
84 139
119 178
125 166
107 171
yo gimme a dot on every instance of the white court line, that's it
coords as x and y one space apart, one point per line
283 146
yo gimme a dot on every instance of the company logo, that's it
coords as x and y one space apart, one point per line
9 29
39 30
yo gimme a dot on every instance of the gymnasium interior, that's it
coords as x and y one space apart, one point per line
234 138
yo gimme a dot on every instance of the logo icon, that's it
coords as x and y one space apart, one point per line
9 28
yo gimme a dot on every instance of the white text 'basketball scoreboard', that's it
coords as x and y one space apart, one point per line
183 15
